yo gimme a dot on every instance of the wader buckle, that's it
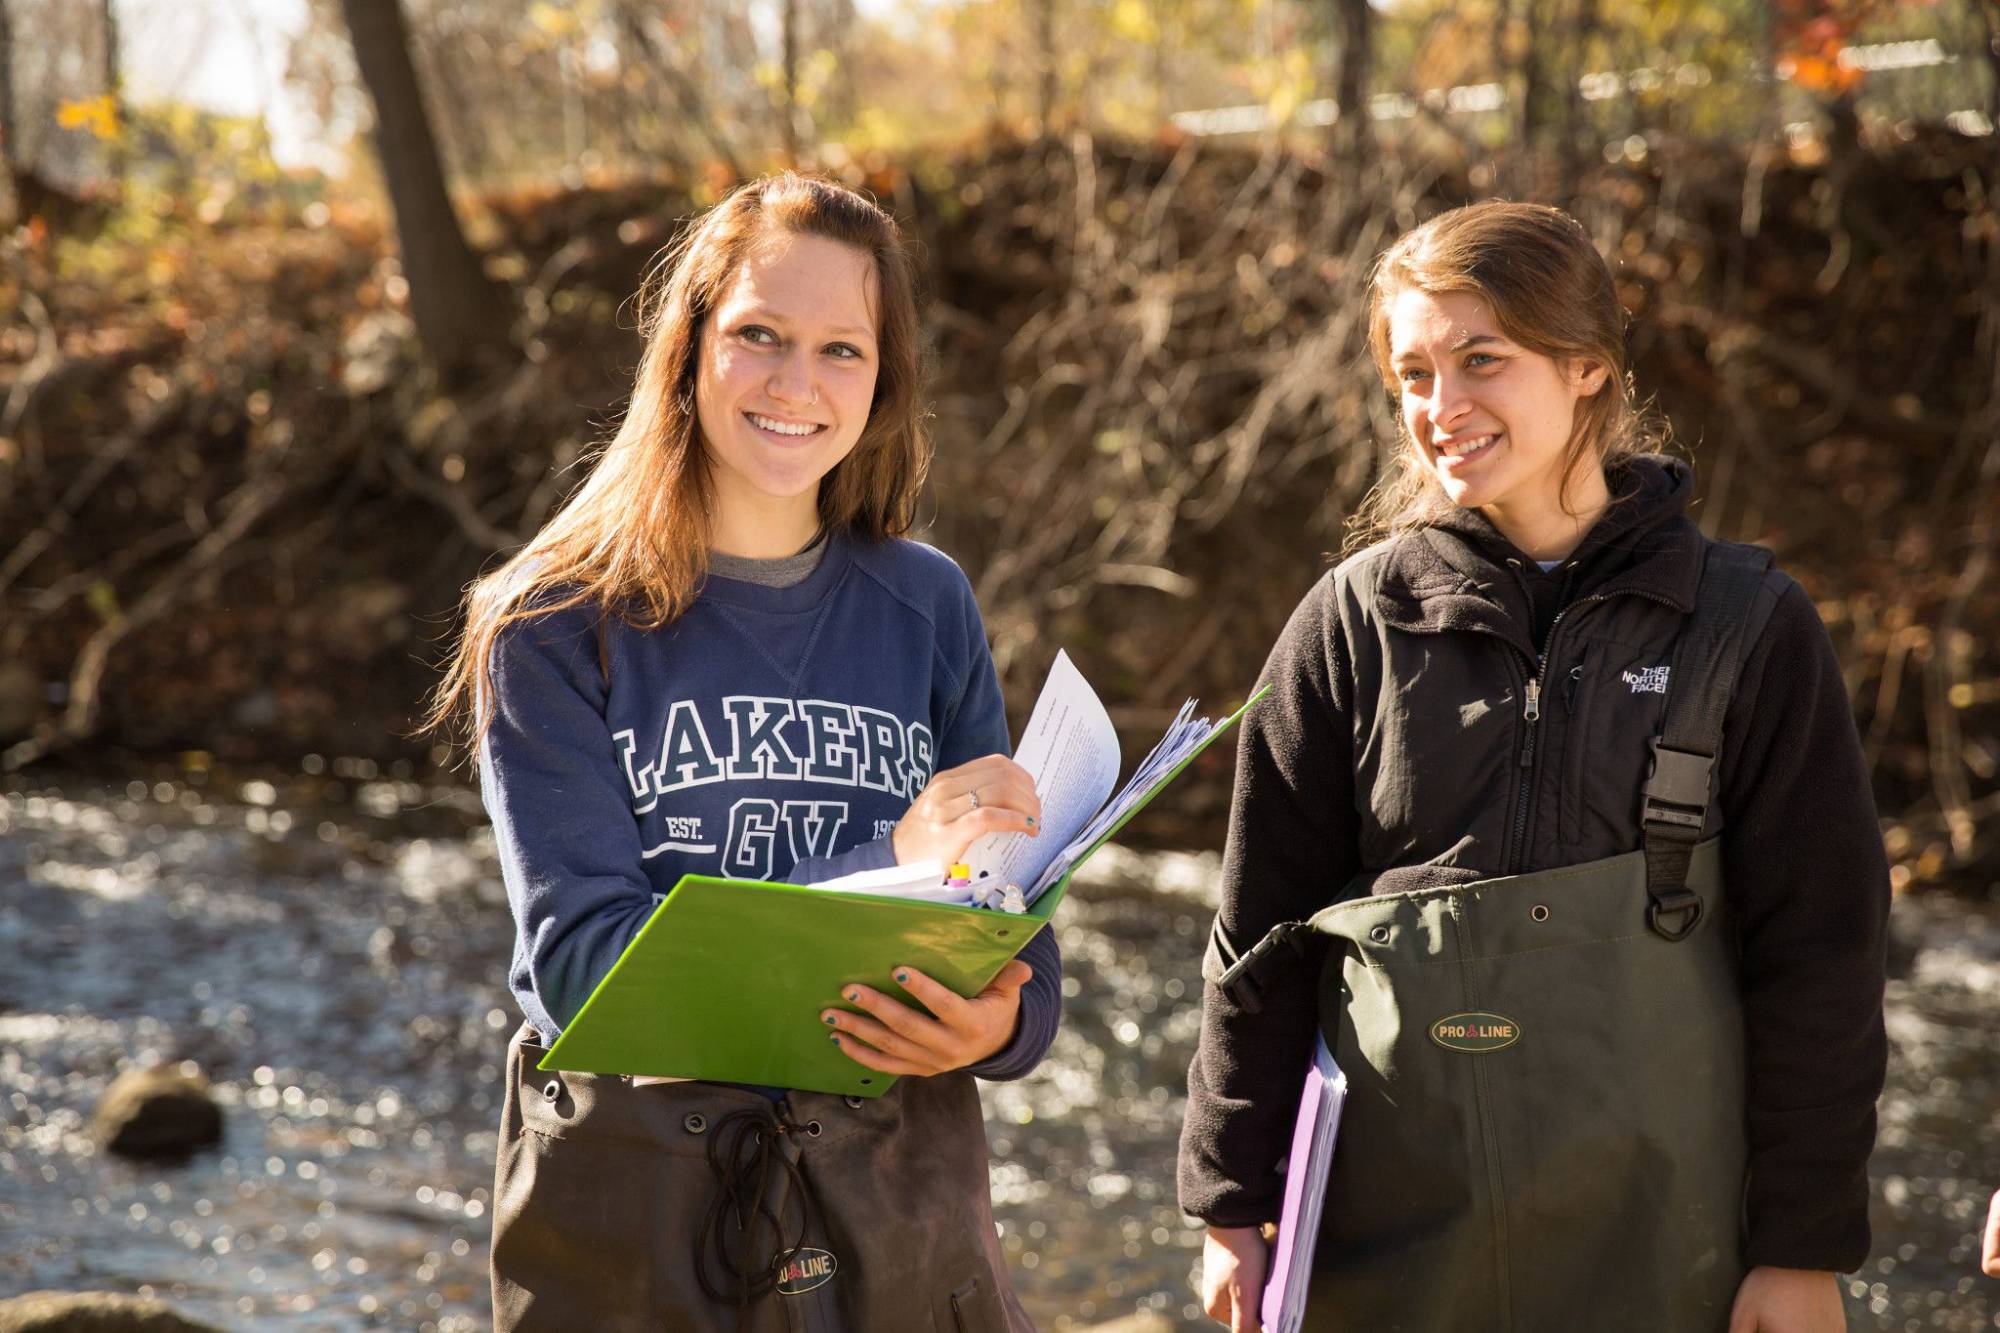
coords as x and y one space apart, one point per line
1676 791
1674 903
1671 818
1239 980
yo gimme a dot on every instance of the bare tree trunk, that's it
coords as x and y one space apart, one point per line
114 88
1497 50
109 52
630 44
465 152
1525 40
10 160
1352 130
790 62
1045 63
1843 162
575 129
838 19
1989 17
1159 66
460 312
1571 73
1750 212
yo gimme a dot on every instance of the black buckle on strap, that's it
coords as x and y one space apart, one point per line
1668 903
1676 792
1239 980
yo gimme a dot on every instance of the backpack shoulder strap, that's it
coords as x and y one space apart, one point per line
1708 658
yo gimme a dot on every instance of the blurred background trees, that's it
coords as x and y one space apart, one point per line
531 90
278 378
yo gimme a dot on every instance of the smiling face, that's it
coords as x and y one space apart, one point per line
1490 419
785 379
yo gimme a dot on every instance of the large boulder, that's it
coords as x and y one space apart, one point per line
163 1111
92 1312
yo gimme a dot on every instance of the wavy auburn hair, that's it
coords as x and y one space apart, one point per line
633 540
1550 292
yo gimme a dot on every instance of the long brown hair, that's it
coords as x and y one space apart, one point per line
1550 292
633 540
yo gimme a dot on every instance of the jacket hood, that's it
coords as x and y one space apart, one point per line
1462 573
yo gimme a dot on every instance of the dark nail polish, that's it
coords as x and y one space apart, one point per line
829 1020
835 1039
902 977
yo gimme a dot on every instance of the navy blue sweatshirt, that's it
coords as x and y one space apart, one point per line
768 733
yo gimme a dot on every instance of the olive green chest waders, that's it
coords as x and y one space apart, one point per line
690 1207
1544 1127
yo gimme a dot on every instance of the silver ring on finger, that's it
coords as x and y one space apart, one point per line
973 796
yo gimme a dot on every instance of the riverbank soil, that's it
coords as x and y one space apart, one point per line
241 514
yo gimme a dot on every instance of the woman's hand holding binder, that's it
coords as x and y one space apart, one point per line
1234 1261
1788 1300
961 805
896 1039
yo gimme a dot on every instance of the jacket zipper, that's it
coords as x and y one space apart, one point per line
1531 713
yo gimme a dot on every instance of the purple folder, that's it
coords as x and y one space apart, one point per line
1290 1273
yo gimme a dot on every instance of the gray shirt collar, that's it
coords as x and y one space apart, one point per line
783 571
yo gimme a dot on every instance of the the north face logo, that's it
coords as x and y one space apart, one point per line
1646 680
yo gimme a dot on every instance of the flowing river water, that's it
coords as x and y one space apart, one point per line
330 948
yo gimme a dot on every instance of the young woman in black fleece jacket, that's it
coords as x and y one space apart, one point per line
1531 540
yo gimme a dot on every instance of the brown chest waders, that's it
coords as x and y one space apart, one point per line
691 1207
1544 1123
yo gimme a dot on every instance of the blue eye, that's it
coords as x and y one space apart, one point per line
1414 372
1477 357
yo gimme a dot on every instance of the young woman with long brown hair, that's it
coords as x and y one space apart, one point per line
722 657
1561 808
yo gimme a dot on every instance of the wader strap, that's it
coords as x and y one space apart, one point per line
1237 976
1707 659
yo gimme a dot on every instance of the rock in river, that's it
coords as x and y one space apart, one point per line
164 1111
92 1312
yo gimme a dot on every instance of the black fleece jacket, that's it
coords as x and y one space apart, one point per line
1803 861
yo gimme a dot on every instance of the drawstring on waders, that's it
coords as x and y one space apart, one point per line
743 1151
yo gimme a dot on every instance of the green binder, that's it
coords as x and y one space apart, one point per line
727 978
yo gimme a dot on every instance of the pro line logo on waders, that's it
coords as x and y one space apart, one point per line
805 1269
1475 1033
